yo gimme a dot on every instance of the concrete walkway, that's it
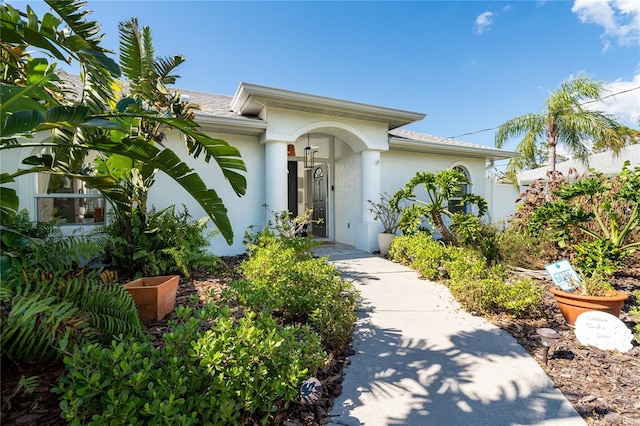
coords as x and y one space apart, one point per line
422 360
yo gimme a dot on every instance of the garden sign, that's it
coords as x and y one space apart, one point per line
563 275
604 331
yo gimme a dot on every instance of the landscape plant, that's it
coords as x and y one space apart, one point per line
214 367
605 213
287 281
165 242
127 129
564 121
439 188
52 294
488 290
387 213
478 287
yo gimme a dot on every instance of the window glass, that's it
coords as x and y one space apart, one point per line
73 203
454 202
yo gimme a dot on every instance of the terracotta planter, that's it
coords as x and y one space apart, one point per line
155 296
384 242
571 305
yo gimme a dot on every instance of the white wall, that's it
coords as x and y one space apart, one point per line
502 201
398 167
347 194
242 211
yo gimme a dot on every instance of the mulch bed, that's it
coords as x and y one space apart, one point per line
603 386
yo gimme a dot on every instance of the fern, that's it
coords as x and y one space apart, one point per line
36 323
55 296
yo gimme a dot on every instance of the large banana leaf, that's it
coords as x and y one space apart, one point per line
167 161
226 156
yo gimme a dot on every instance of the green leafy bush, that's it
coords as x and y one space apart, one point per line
419 251
213 369
486 291
479 288
635 311
161 243
599 216
526 251
284 279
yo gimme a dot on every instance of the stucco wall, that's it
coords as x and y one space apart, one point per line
502 201
242 211
398 167
347 195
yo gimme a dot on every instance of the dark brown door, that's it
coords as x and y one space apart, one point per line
319 194
292 184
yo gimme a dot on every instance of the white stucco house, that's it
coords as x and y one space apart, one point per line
359 151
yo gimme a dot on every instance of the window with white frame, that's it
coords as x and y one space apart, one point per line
455 205
73 203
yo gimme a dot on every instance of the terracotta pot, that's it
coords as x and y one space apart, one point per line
571 305
155 296
384 242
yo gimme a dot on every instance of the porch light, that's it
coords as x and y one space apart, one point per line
309 154
549 337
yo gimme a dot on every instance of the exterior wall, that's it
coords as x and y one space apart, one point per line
398 167
242 211
287 125
502 201
347 194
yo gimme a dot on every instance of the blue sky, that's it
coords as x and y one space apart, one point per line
469 65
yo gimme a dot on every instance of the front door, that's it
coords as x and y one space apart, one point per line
319 195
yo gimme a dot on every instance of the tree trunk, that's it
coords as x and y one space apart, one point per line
552 142
447 235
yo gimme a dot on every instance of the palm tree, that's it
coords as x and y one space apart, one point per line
565 121
35 99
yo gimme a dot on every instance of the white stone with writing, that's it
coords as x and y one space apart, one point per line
604 331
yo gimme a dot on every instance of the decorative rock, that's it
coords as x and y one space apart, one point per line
604 331
310 391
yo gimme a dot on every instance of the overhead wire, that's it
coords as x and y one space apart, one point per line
580 104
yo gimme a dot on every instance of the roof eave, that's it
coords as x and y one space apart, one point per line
250 99
438 148
231 125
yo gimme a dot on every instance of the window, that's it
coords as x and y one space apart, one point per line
73 203
454 202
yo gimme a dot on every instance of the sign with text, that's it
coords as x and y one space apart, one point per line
604 331
563 275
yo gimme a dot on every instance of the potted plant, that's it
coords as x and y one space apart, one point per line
389 217
89 218
592 293
155 296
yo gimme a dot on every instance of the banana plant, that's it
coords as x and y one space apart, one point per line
35 99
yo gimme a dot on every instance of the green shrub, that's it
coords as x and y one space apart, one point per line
213 369
160 243
487 292
635 311
428 257
404 248
289 282
526 251
598 255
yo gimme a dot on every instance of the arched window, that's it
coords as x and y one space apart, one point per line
454 202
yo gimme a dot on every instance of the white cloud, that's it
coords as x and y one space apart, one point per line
484 22
619 18
624 106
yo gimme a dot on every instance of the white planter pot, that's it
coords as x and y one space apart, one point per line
384 242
